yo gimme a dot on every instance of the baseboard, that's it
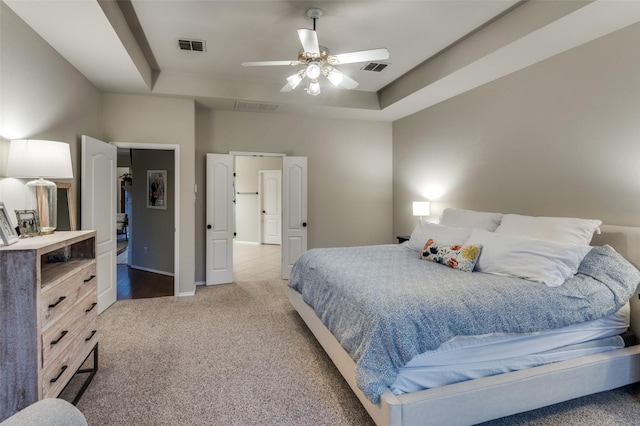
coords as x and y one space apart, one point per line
191 293
155 271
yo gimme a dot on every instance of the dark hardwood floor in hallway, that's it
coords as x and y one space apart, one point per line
137 284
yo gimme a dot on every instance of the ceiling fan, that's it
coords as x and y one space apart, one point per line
318 61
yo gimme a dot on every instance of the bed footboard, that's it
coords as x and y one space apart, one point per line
487 398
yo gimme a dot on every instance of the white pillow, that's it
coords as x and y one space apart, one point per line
548 262
461 218
443 234
561 229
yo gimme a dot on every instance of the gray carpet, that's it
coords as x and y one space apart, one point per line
239 354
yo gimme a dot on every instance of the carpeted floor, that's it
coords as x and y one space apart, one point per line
238 354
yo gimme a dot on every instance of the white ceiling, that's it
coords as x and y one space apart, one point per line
239 31
104 41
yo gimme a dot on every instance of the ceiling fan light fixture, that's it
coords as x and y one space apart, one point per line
313 71
317 61
314 88
294 80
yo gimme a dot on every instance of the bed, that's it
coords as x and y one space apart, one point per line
491 395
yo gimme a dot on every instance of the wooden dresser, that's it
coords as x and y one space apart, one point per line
48 316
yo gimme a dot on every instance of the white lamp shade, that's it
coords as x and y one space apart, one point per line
313 71
314 88
335 77
294 80
30 158
421 208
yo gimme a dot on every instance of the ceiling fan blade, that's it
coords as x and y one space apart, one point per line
269 63
340 79
361 56
309 40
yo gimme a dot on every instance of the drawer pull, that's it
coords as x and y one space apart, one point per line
93 332
64 333
93 305
55 379
53 305
89 279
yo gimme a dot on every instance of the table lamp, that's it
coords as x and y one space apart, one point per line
43 160
421 208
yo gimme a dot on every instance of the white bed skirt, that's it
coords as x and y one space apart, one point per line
471 357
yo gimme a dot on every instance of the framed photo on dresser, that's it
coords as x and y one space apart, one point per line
7 232
28 222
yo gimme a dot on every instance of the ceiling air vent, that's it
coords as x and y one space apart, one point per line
255 106
374 67
192 45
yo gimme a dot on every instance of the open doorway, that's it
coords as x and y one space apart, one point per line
148 191
219 214
257 253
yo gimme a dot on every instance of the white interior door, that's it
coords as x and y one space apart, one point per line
294 211
98 211
271 204
219 215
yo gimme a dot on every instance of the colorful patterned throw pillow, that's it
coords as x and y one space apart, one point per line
456 256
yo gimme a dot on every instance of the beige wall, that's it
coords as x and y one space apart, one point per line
349 161
349 170
41 97
559 138
155 120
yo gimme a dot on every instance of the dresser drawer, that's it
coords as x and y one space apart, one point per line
64 332
55 300
58 373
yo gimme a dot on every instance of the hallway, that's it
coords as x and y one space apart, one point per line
251 262
137 284
256 262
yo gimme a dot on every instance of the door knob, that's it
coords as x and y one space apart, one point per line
263 211
208 226
304 224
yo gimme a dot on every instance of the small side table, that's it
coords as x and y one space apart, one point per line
403 238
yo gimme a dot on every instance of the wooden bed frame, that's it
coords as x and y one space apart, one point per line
488 398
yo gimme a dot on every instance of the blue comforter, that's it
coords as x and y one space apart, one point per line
385 305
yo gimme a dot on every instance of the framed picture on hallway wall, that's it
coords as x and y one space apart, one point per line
157 189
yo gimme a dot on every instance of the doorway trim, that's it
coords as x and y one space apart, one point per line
176 194
256 154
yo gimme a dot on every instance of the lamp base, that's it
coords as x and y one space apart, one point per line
45 194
